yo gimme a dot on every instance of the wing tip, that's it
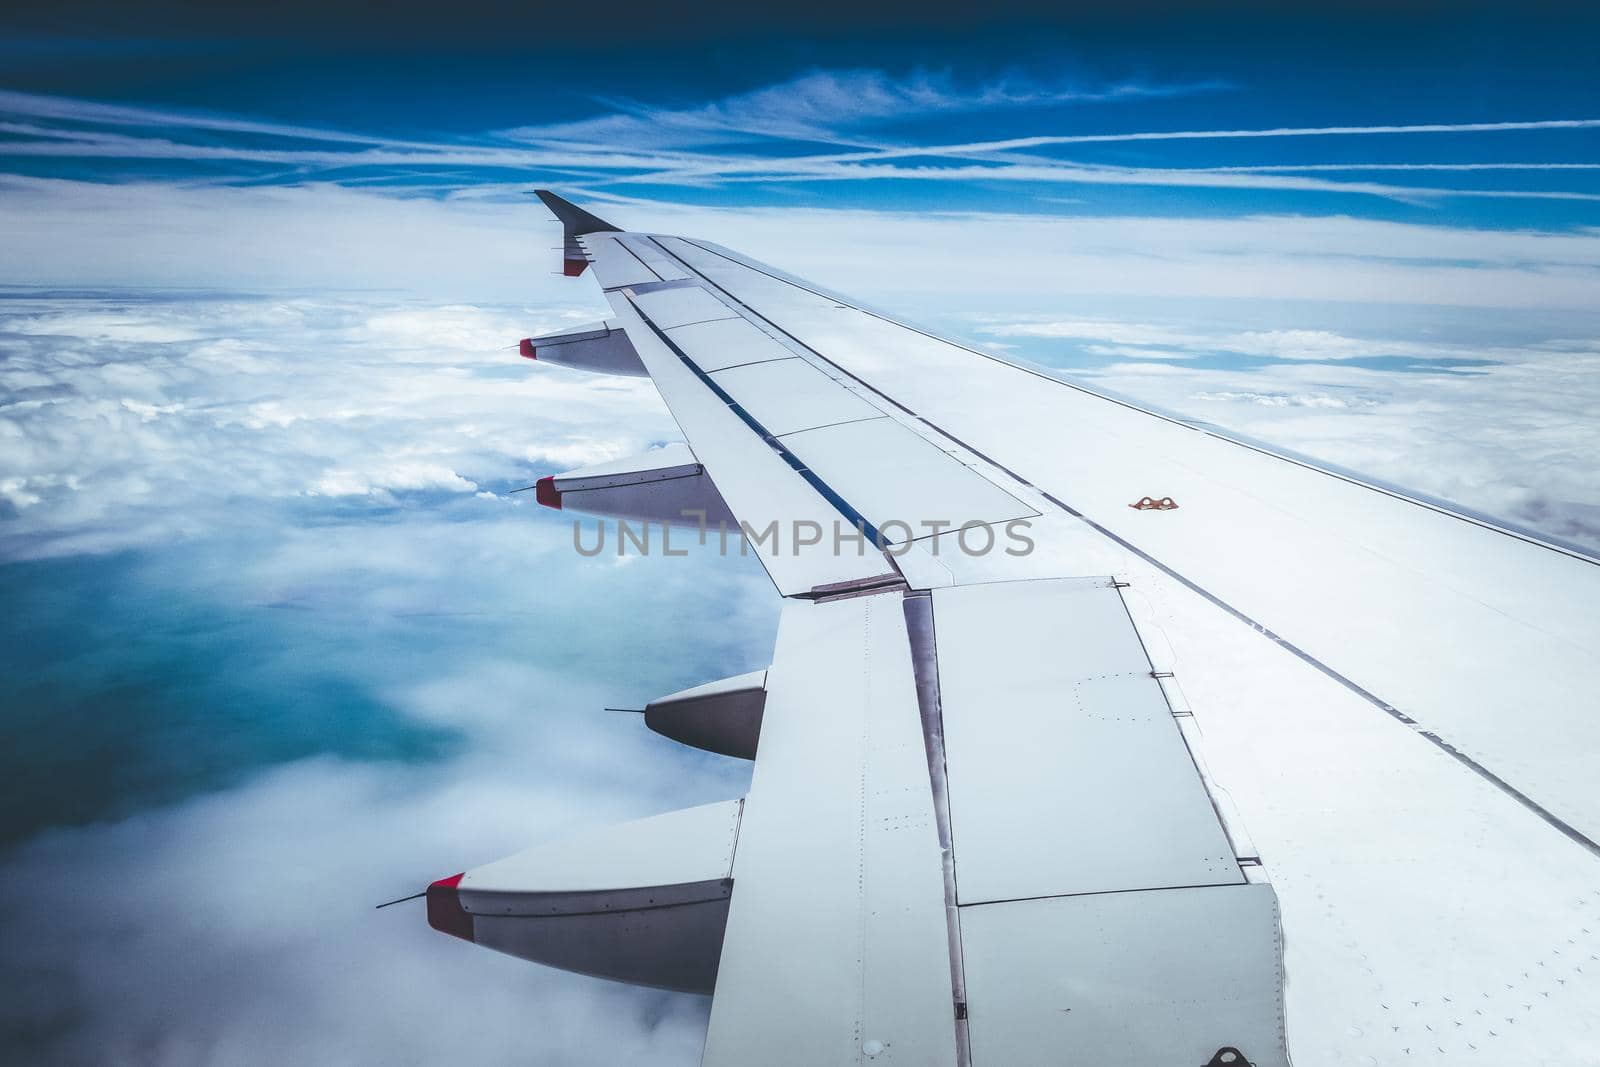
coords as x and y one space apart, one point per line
574 219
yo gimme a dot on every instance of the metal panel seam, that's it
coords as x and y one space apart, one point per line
1205 779
918 610
822 487
829 425
623 245
1109 893
885 397
863 764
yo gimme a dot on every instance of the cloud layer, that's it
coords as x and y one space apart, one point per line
131 421
328 478
315 238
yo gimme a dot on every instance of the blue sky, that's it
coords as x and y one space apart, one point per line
280 640
1444 114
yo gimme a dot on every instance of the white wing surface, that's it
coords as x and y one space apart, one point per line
1214 756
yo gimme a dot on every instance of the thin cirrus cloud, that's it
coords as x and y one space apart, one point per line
1274 168
1195 178
759 138
823 105
697 173
90 112
978 148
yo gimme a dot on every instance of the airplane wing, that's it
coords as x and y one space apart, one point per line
1090 735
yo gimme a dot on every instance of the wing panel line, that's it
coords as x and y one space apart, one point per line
918 608
635 255
822 487
774 326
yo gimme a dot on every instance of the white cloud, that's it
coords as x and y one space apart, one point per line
130 426
1044 140
238 926
376 478
729 140
1129 352
825 105
1301 167
1286 400
1110 331
1304 344
1134 340
812 170
322 237
76 111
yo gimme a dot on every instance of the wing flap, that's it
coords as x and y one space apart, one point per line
788 395
1068 774
837 944
1173 976
724 343
682 306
